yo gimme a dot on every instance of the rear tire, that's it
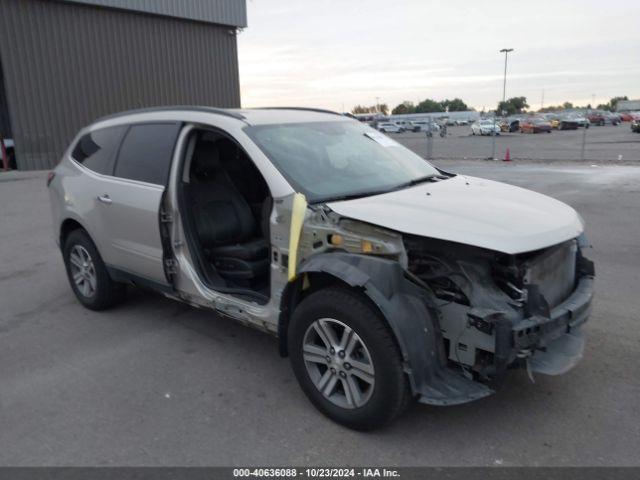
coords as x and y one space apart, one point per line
362 397
88 275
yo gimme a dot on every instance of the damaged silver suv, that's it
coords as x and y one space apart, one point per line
384 278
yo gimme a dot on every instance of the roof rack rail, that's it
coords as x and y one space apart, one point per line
319 110
173 108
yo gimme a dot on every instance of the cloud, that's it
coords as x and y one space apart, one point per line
326 53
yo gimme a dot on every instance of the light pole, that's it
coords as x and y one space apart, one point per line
504 98
504 82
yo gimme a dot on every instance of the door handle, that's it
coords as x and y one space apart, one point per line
105 199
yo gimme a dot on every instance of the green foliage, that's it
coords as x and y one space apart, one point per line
613 103
428 106
404 108
551 108
455 105
362 109
513 105
382 108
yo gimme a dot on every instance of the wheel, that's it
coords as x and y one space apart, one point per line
383 130
346 360
88 275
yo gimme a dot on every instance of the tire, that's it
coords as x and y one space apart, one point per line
383 130
384 396
99 293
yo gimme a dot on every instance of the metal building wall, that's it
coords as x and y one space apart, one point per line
225 12
67 64
5 124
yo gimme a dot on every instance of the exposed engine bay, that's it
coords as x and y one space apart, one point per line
497 308
494 310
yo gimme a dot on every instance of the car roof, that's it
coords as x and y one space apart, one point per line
251 116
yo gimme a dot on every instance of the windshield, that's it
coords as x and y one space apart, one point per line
330 160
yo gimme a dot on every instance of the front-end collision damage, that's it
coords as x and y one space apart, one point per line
499 310
461 315
413 320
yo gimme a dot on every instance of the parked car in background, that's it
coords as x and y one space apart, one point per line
580 119
596 118
510 125
535 125
384 279
462 122
390 128
600 118
612 118
552 118
626 116
423 126
565 122
485 127
635 126
406 125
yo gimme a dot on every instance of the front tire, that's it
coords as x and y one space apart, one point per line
88 275
346 359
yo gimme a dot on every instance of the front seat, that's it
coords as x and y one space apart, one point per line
226 227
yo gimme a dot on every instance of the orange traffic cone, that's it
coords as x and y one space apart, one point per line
507 157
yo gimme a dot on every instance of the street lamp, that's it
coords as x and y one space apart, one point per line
504 98
504 83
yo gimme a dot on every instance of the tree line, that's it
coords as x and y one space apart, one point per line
512 106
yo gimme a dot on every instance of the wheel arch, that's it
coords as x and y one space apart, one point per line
405 308
306 283
67 226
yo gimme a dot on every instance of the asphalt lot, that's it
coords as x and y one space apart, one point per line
154 382
602 144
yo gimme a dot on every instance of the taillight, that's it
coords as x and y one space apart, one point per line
50 177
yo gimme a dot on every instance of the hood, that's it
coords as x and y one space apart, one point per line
472 211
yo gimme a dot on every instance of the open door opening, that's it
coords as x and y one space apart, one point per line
226 204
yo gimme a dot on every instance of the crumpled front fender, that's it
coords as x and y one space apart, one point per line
411 317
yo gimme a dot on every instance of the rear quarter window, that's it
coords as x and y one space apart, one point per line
96 150
146 152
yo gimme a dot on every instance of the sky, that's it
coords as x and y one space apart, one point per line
338 53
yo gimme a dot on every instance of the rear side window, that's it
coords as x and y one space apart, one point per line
146 152
96 150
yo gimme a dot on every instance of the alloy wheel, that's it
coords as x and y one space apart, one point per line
83 271
339 363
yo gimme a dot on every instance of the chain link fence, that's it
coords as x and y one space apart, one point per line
596 144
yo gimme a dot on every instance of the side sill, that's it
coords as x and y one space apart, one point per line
123 276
